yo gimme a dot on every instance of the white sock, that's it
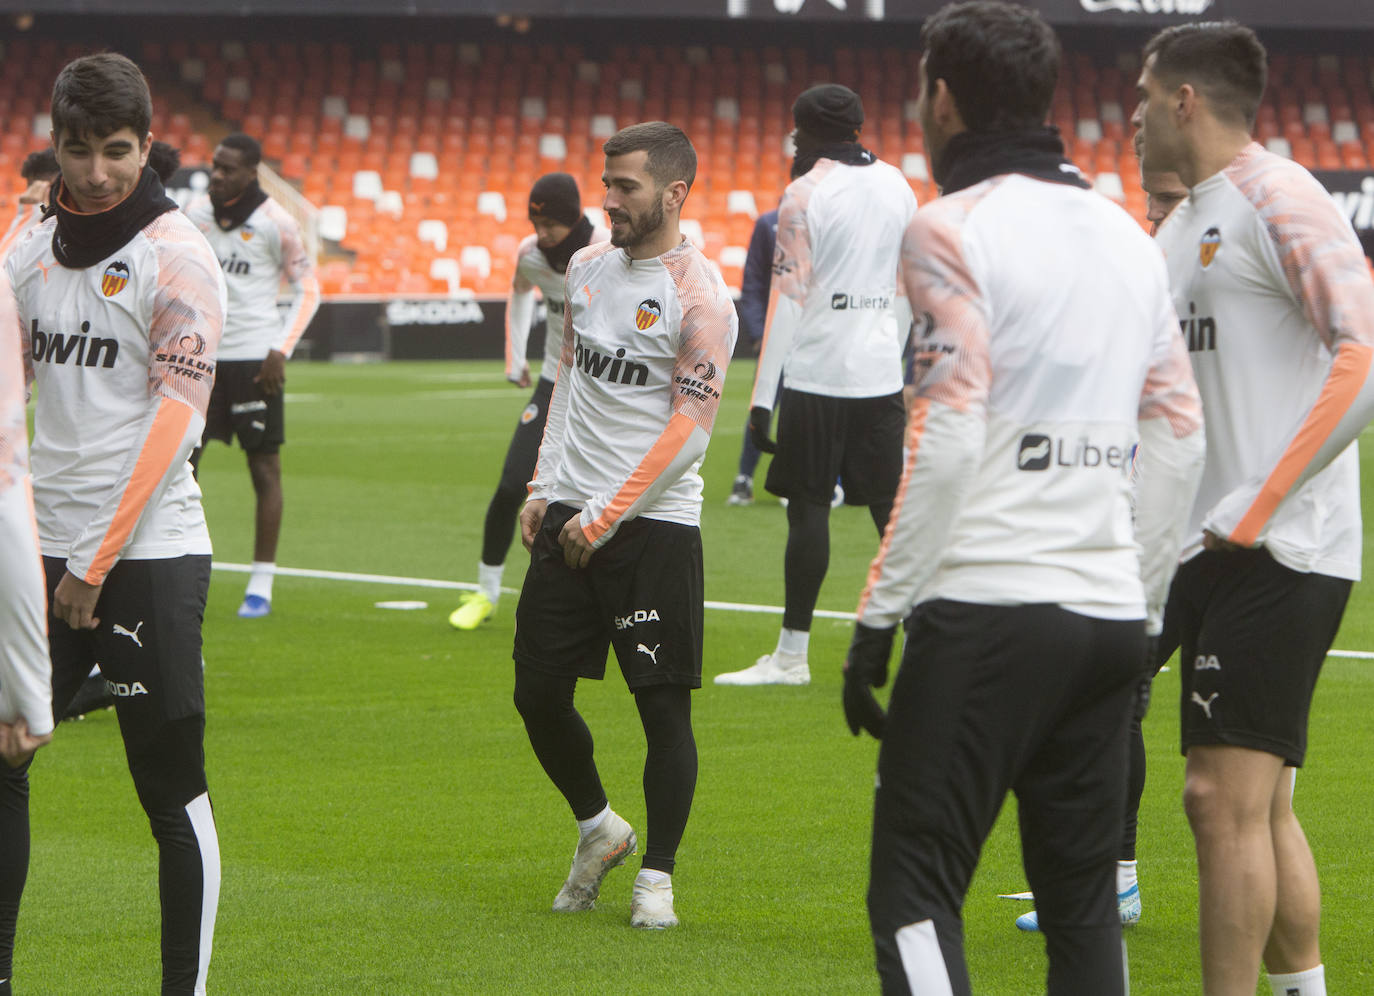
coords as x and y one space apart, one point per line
1309 983
585 827
652 876
1125 875
794 642
260 581
489 580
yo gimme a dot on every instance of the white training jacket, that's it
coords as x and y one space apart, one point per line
837 316
1046 346
646 343
1276 304
532 270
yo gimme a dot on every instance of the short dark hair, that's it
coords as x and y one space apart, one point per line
671 156
41 165
164 160
1223 60
1000 61
246 145
97 95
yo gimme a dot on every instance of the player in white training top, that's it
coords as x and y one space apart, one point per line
560 229
1276 306
835 335
1011 553
259 245
120 306
612 518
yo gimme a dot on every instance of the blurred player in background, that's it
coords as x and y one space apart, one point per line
1277 309
120 305
613 517
753 315
835 337
39 171
560 229
259 245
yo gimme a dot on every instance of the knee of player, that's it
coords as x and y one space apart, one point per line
169 767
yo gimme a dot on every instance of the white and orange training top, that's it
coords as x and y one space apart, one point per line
833 324
1046 345
645 346
256 257
25 669
1276 306
122 355
532 270
26 216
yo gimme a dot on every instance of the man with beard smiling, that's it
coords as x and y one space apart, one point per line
120 304
258 244
560 229
612 521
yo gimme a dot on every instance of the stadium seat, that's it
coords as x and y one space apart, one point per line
492 203
475 260
333 222
433 231
367 184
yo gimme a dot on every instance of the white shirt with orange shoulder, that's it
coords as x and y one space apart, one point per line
1276 306
646 343
532 270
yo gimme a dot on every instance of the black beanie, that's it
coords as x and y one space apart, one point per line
829 113
555 196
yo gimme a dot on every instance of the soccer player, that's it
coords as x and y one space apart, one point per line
1277 309
835 336
39 171
1012 532
612 518
26 719
258 244
120 306
560 229
753 313
164 160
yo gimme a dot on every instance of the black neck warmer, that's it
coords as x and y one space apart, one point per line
849 153
230 216
974 156
560 254
82 240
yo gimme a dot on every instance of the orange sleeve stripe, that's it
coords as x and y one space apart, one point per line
164 438
660 455
1348 375
915 429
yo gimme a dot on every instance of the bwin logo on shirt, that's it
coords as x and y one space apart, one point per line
1038 451
613 370
83 350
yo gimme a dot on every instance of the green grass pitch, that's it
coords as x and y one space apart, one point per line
385 828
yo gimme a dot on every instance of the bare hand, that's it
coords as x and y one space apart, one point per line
17 745
74 602
531 518
577 549
523 380
272 374
1211 541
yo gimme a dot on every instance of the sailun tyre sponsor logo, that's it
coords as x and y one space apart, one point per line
80 350
648 312
1145 6
1040 452
614 369
115 277
434 313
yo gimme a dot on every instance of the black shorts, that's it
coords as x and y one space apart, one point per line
523 452
147 644
1253 637
238 407
642 593
821 439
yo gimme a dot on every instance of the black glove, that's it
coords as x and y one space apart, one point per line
865 669
758 429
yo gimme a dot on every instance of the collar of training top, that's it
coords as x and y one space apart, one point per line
974 156
81 240
230 216
847 153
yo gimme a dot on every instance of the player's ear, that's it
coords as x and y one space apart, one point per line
674 194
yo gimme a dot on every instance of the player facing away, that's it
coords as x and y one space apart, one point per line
259 245
1163 192
26 719
560 229
835 337
612 521
1276 306
120 305
1011 551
